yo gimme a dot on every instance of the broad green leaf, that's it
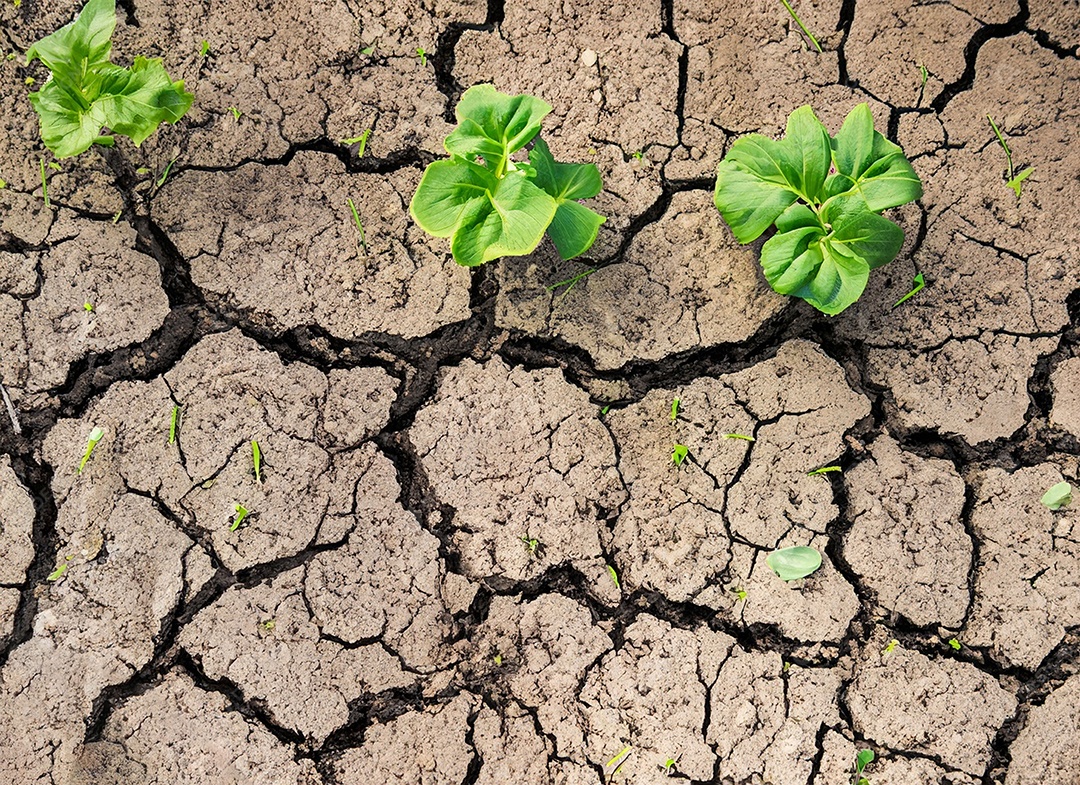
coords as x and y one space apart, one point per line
863 759
493 125
574 227
137 100
838 282
790 258
444 190
796 217
887 180
808 151
874 238
508 220
853 147
76 48
806 263
1058 496
794 563
66 127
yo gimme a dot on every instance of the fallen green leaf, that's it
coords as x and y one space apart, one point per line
1057 496
793 563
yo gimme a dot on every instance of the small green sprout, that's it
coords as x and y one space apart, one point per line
614 576
165 173
793 563
17 3
742 436
29 81
497 659
679 454
3 183
88 307
268 625
617 762
420 53
55 166
116 218
360 142
919 283
798 21
256 459
174 424
204 48
924 75
236 113
57 574
674 408
786 667
11 56
142 170
570 283
241 513
824 470
862 759
637 155
44 185
891 645
1057 496
668 766
532 545
91 443
955 644
605 409
740 594
370 48
359 226
1015 180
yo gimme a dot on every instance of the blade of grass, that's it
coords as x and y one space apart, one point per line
174 423
359 226
919 284
1004 144
165 173
798 21
44 185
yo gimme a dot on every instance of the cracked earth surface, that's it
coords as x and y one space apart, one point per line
468 558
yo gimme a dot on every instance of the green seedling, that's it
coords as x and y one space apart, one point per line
740 594
532 545
668 766
798 21
29 81
1057 496
91 443
824 470
422 55
637 155
674 408
919 283
360 142
1015 181
3 184
570 283
491 206
88 307
87 91
142 170
862 759
11 56
497 659
617 762
614 577
605 409
236 113
924 75
57 574
359 226
370 48
742 436
679 454
954 643
174 424
890 646
204 48
241 513
165 173
256 459
830 231
44 185
268 625
116 218
794 563
55 166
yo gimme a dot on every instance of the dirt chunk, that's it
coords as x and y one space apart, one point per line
281 241
838 765
1026 580
16 525
181 735
517 454
944 708
1066 411
907 538
683 284
1046 748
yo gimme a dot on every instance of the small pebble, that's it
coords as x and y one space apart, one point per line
588 58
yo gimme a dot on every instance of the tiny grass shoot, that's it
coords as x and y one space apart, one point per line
422 55
268 625
862 759
142 170
954 643
919 282
369 50
241 513
29 81
570 283
674 408
617 762
3 184
204 48
742 436
1057 496
924 75
798 21
165 173
44 185
57 574
605 409
1015 181
55 166
668 766
88 307
679 453
91 443
360 142
256 459
740 594
497 659
236 113
174 424
116 218
824 470
532 545
614 577
359 226
890 646
793 563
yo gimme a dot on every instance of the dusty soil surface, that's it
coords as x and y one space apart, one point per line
466 557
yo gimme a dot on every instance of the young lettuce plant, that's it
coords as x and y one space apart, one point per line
492 206
825 195
86 91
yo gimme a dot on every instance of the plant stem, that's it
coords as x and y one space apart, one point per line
1004 145
798 21
359 226
44 186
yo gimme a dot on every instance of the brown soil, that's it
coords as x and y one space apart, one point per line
468 557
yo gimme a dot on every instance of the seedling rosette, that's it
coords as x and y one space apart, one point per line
87 92
492 206
825 195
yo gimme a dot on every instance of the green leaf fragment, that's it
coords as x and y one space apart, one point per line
88 307
794 563
614 577
574 227
1057 496
742 436
674 408
165 173
95 436
242 512
1016 183
679 453
57 574
420 53
919 284
360 142
890 646
204 48
359 226
236 113
494 125
824 470
256 459
954 643
174 424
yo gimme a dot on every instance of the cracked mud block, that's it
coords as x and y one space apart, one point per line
517 454
42 299
94 628
545 647
1046 749
889 42
230 392
945 709
1058 20
611 74
683 284
653 694
178 734
1066 411
748 67
427 747
1027 578
16 526
674 535
765 717
264 640
838 759
280 242
907 539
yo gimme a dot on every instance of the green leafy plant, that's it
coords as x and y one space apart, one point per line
794 563
1057 496
798 21
360 142
422 55
95 436
492 206
532 545
88 92
825 195
863 758
241 513
1015 180
918 283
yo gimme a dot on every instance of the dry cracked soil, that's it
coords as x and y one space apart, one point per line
468 558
